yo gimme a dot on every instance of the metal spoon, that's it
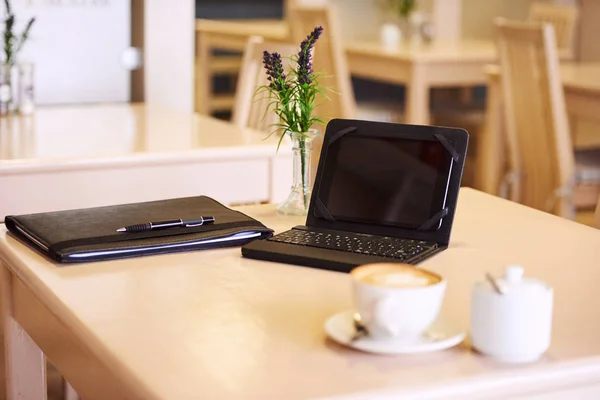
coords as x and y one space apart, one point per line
497 287
359 327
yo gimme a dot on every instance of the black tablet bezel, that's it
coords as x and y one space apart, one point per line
441 185
456 141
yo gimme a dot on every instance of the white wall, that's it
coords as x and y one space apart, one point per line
169 53
76 47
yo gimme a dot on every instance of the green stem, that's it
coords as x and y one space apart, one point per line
302 145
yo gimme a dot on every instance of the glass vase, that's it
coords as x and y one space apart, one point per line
16 89
9 88
26 101
299 199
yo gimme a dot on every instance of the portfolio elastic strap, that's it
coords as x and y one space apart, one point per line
324 211
433 220
59 247
341 133
447 145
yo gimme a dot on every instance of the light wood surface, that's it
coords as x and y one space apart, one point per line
214 324
537 128
589 30
421 67
563 18
96 154
266 28
581 77
580 81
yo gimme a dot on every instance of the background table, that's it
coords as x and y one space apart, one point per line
212 324
421 67
581 83
85 156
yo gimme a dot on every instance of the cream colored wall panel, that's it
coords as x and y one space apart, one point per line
227 181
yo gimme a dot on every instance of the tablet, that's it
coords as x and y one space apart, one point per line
386 180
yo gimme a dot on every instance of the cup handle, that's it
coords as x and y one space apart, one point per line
381 311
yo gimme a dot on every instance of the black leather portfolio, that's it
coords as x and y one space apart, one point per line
90 234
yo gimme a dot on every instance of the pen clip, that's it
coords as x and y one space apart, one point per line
193 225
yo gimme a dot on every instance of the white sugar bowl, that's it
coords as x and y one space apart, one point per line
515 325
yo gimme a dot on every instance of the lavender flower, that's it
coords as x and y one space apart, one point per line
305 65
275 73
293 97
268 63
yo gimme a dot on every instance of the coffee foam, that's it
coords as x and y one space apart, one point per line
399 276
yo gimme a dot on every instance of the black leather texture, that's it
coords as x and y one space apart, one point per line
66 235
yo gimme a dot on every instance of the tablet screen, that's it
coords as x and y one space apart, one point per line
385 180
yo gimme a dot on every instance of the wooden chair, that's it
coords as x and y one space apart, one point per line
250 107
542 162
330 58
563 18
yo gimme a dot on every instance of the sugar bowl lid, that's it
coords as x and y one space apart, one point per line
513 282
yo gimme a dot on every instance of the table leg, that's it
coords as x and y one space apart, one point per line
25 362
417 100
203 78
491 145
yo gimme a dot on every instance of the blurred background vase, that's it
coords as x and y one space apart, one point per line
9 77
16 79
397 27
17 89
26 100
416 21
391 35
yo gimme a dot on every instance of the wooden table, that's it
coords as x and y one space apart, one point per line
227 35
581 82
85 156
421 67
211 324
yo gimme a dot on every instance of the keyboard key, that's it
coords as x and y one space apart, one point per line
398 249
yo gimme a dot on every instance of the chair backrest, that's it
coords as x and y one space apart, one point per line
250 108
287 5
540 150
563 18
329 58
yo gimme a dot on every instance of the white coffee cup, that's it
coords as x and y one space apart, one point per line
514 326
397 301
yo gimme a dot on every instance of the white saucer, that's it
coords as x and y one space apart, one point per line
440 336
